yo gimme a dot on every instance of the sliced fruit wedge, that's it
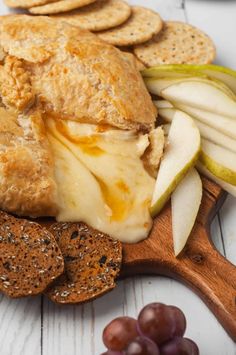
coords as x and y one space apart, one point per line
202 95
180 155
216 136
225 125
185 203
157 85
171 70
168 113
166 129
206 131
162 104
219 161
226 75
231 189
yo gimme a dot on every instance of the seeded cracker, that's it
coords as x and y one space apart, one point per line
92 263
177 43
139 28
59 6
29 257
25 4
101 15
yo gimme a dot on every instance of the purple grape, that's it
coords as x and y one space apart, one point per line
179 346
180 321
156 321
119 333
142 346
195 350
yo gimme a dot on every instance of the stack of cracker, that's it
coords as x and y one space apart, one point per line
68 262
134 29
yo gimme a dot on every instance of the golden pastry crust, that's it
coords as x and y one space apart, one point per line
15 86
138 65
2 54
27 184
76 75
153 155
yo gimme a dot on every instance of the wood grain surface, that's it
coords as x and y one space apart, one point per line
37 326
200 265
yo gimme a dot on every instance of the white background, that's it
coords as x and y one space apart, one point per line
38 327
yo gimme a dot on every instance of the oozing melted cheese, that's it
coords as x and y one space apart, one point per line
101 179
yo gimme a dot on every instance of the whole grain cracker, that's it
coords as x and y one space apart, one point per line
101 15
25 4
59 6
177 43
30 258
92 263
139 28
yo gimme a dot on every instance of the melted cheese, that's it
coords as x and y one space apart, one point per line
101 178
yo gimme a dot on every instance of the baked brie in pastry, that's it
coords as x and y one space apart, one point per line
77 137
27 184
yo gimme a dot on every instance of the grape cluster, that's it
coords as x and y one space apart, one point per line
159 330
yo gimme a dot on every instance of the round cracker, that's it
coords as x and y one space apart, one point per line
30 258
99 16
59 6
92 263
177 43
25 4
140 27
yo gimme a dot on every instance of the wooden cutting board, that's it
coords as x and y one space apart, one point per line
200 266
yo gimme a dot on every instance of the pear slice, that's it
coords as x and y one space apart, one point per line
215 136
162 104
157 85
206 131
219 161
166 129
168 113
225 75
231 189
225 125
180 155
170 71
185 203
201 95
